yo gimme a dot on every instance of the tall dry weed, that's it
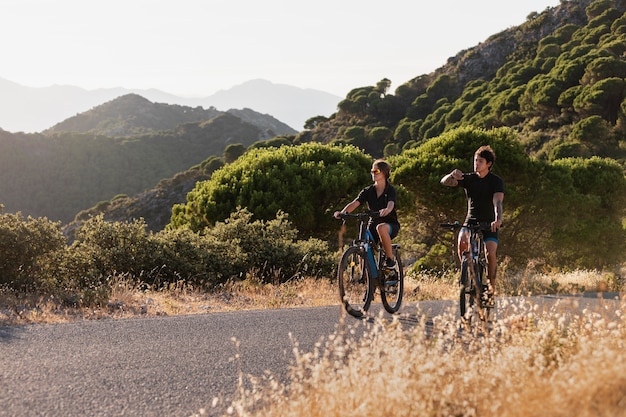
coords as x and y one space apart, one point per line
532 363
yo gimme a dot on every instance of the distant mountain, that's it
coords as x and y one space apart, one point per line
133 114
124 146
289 104
28 109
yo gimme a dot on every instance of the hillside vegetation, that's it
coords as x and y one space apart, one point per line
557 80
122 147
548 96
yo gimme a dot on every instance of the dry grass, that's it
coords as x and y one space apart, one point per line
126 299
532 363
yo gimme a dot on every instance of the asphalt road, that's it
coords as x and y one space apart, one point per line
164 366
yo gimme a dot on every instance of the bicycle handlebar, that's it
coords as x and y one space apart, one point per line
474 226
360 216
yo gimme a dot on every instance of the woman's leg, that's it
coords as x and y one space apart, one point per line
384 233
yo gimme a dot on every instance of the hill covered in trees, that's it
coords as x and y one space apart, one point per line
557 79
121 147
548 95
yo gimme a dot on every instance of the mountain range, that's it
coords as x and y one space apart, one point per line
29 109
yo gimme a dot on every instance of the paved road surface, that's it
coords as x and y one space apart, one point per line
167 366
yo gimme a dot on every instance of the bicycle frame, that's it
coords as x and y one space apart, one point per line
475 253
368 243
366 240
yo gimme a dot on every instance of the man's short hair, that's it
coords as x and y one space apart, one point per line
487 153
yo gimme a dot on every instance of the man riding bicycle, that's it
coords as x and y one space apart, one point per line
485 192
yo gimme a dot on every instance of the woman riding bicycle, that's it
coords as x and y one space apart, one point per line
485 192
381 197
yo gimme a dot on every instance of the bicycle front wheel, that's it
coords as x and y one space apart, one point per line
392 288
355 285
486 300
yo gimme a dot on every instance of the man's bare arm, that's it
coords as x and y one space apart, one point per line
452 179
497 207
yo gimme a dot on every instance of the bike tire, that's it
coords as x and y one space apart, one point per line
484 302
391 291
355 285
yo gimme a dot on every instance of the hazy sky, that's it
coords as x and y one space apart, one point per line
197 47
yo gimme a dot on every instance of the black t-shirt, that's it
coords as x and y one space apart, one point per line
374 203
479 192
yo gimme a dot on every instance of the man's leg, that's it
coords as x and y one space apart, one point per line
491 248
462 243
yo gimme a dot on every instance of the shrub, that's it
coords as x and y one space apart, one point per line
28 247
306 181
227 251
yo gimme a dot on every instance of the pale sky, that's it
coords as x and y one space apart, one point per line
197 47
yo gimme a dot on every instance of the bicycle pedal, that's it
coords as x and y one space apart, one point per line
391 284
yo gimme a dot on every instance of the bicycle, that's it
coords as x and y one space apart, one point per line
359 274
473 284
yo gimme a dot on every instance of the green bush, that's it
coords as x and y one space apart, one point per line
308 182
270 247
229 250
28 248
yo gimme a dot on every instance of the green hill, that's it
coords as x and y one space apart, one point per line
558 79
121 147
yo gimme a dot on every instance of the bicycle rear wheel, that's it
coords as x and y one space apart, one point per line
392 288
355 285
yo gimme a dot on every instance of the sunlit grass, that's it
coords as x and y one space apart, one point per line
123 297
558 362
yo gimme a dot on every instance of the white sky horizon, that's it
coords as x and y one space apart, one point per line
195 48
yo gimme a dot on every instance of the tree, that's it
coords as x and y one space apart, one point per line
603 98
383 86
313 122
308 182
28 248
233 151
603 67
593 131
537 196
